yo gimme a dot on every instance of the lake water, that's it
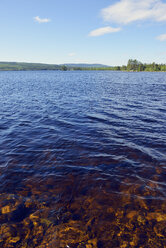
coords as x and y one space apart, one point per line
82 159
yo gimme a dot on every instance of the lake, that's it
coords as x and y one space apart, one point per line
82 159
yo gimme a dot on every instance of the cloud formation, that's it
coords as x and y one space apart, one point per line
162 37
127 11
104 30
40 20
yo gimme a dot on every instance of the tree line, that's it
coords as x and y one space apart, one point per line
18 66
135 65
132 65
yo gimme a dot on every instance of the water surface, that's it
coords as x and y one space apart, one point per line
82 159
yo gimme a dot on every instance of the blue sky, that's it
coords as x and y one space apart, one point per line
90 31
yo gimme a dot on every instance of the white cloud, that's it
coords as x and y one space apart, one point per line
71 54
127 11
162 37
40 20
104 30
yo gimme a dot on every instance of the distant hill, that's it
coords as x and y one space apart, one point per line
86 65
21 66
133 65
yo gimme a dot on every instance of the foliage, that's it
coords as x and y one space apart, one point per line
14 66
132 65
135 65
64 68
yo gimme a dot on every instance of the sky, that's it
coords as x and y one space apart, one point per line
90 31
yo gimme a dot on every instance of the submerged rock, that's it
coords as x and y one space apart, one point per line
98 220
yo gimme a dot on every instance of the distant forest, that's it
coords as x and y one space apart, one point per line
135 65
14 66
132 65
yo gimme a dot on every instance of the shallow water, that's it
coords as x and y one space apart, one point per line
82 159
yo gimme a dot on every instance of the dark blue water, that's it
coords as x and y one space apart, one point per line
83 131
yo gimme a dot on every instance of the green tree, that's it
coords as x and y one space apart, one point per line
123 68
133 65
64 68
117 68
